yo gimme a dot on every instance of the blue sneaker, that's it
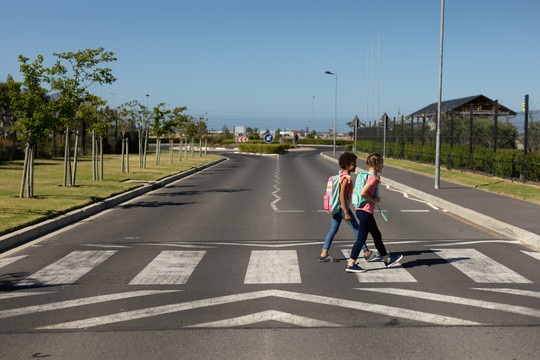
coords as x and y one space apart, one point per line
393 260
354 268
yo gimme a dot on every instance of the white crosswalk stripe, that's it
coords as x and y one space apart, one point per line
7 261
169 268
479 267
68 269
273 267
377 272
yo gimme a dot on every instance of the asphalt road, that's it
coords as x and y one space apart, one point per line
223 264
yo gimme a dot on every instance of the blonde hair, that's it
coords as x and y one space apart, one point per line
373 160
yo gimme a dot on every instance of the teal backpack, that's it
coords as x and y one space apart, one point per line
357 199
331 197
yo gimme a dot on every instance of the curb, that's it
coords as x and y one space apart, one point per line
475 217
26 234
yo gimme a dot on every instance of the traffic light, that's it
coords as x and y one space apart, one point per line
526 103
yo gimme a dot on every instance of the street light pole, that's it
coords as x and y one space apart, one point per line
438 133
335 108
313 117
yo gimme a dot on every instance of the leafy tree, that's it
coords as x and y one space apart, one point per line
7 117
158 130
74 81
129 115
175 123
33 112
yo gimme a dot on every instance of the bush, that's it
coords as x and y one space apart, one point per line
264 148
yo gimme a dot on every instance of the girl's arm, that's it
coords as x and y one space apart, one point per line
365 194
342 198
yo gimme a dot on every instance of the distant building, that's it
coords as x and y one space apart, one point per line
481 106
239 131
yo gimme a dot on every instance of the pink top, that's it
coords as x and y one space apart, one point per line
346 177
370 206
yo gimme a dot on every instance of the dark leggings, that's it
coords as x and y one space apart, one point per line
367 224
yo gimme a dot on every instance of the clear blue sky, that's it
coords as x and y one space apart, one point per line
259 63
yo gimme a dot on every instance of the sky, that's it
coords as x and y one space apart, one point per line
262 63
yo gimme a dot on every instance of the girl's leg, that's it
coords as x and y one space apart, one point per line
354 226
373 229
334 227
362 235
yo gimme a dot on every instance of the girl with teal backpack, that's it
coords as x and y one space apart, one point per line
337 200
367 188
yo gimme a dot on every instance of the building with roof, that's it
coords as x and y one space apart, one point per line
480 105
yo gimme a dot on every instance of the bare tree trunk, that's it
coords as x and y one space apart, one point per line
31 171
127 155
25 171
191 148
180 150
101 156
158 146
205 146
200 147
67 159
123 154
75 151
171 148
140 149
186 148
94 174
145 147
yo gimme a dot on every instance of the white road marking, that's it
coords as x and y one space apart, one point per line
513 292
268 315
68 269
535 255
78 302
480 268
7 261
11 295
421 201
414 211
378 272
474 242
276 187
349 304
273 267
521 310
169 268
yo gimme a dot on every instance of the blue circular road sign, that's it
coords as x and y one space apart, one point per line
268 138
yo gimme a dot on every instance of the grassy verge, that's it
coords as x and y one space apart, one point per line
52 199
497 185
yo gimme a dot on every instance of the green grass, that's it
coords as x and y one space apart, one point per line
518 190
52 199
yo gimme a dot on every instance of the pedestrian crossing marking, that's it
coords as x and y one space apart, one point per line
268 315
479 267
391 311
378 272
169 268
535 255
273 267
518 292
11 295
7 261
78 302
515 309
68 269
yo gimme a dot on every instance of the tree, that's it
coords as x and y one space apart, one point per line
74 81
157 127
175 123
7 117
32 109
128 117
100 124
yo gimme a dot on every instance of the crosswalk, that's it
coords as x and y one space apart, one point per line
175 267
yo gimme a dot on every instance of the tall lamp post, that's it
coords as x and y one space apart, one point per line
438 131
335 108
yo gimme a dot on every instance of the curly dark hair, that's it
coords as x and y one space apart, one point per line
346 158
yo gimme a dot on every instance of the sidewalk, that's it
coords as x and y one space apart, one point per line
514 218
